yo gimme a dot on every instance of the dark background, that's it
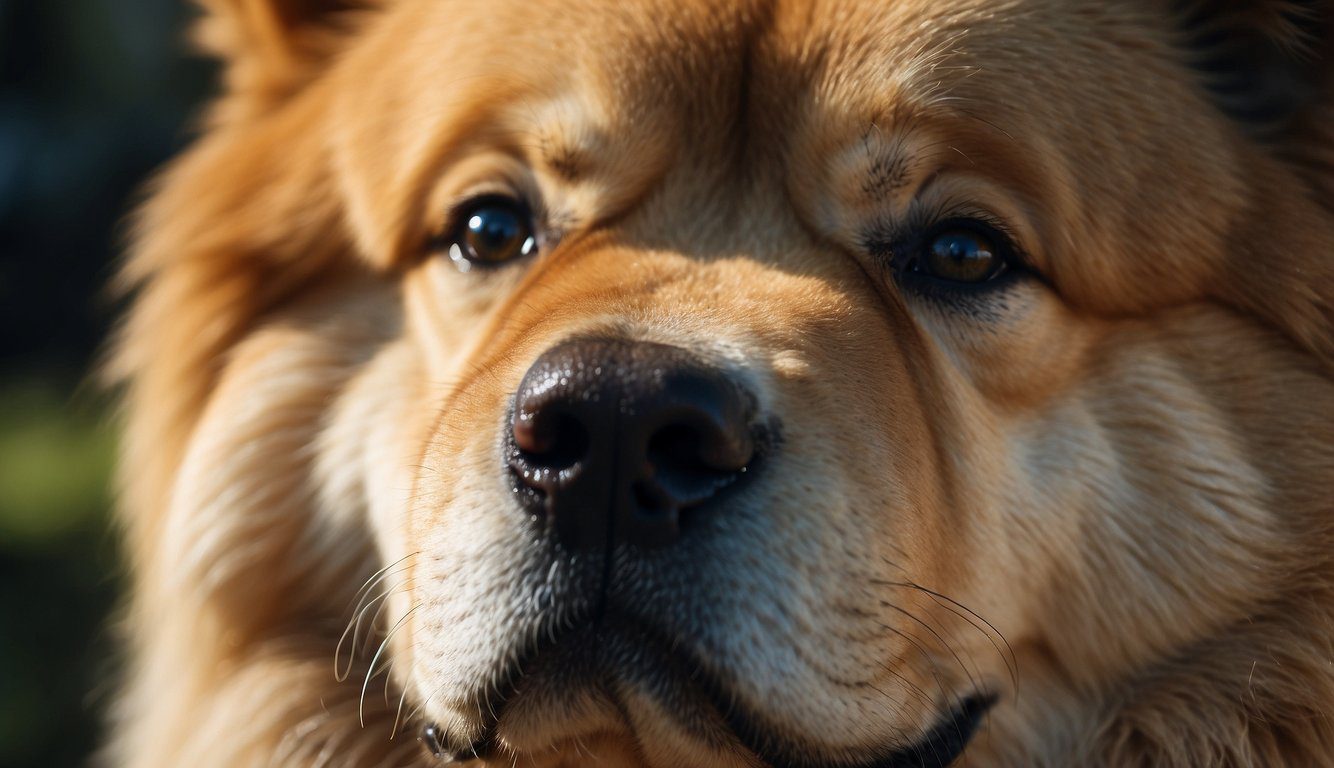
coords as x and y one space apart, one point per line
94 94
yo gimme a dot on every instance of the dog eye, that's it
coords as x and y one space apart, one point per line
959 253
491 231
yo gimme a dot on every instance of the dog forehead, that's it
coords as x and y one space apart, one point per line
697 60
584 81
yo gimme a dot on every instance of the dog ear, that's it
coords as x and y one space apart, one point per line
1269 66
1266 63
271 48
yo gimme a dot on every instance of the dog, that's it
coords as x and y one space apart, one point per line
723 383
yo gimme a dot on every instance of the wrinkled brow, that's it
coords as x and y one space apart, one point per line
568 160
890 161
568 143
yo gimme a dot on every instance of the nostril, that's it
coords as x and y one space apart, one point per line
677 447
550 440
690 464
651 500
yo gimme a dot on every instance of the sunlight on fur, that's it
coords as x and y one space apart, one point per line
829 384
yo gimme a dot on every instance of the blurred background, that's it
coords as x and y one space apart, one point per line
94 94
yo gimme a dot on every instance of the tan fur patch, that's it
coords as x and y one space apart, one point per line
1096 490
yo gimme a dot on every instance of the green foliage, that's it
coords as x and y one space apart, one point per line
94 94
56 573
55 459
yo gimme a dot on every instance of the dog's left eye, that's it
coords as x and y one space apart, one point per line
962 254
491 231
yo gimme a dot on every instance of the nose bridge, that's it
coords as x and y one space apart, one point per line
705 211
731 300
674 271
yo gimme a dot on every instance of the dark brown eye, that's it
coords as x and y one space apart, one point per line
492 231
430 739
962 256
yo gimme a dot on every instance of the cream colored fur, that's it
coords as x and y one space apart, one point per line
1108 501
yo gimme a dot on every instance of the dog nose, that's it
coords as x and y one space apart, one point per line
615 441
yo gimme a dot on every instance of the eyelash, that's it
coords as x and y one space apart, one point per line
897 250
884 240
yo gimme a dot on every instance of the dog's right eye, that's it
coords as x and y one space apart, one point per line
963 256
490 231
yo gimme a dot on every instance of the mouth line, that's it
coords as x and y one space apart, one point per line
937 748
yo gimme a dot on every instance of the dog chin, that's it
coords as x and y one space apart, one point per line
615 721
621 693
609 685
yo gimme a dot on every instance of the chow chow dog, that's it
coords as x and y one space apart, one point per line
723 383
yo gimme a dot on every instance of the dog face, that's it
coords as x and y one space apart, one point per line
753 384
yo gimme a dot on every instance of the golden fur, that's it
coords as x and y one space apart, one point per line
1124 471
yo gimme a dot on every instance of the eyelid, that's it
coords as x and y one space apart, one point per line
1014 251
904 240
451 223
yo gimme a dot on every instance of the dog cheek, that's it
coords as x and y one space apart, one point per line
371 441
245 519
1191 555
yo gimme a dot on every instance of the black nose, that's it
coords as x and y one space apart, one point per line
615 440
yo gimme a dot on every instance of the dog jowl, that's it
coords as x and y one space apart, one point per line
738 384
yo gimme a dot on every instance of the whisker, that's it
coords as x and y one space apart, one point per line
917 644
368 583
398 712
913 688
361 702
354 624
357 622
1007 654
939 638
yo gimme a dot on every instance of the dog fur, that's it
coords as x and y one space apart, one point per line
1106 498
